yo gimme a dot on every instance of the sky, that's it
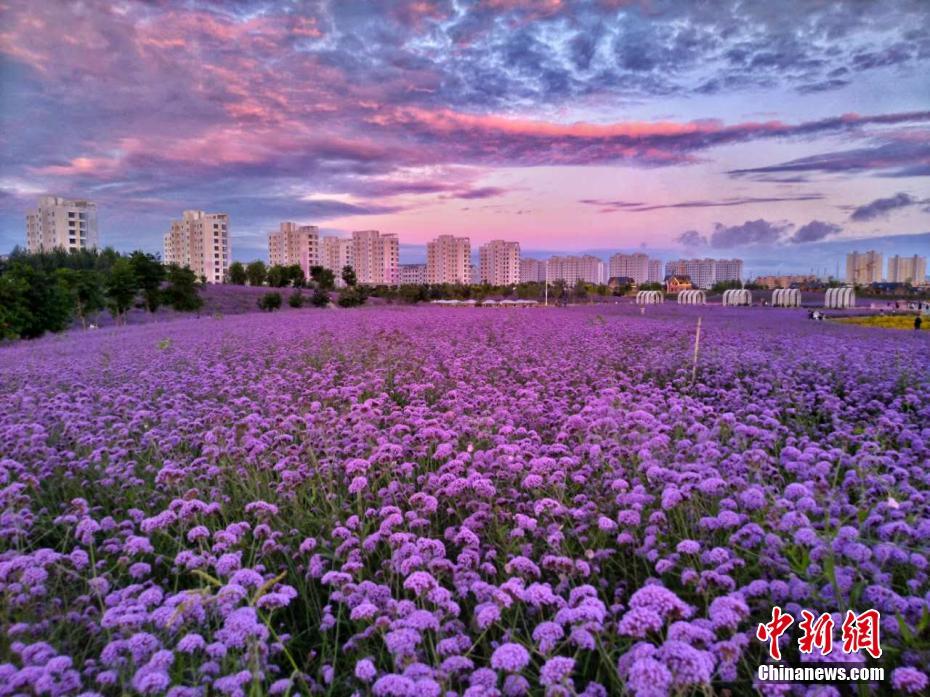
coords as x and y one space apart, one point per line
782 132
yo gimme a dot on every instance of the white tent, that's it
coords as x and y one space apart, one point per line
692 297
649 297
786 297
737 296
839 298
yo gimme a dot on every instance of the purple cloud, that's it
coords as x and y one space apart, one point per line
752 232
881 207
691 239
814 231
633 207
899 158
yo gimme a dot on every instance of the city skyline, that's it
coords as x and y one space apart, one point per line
565 128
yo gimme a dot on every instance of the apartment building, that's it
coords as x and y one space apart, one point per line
448 260
59 223
863 268
571 269
375 257
911 269
499 263
200 241
655 271
638 266
728 270
335 255
704 273
532 271
411 274
294 244
785 281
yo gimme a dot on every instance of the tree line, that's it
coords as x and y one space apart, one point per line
49 291
322 281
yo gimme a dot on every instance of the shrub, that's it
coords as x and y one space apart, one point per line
320 298
296 299
270 302
352 296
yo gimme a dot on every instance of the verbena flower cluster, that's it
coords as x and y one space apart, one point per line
419 502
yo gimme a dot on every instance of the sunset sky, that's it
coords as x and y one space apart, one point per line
776 131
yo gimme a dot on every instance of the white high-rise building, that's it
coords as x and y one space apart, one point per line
655 271
704 273
532 271
728 270
59 223
335 255
499 263
448 260
571 269
412 274
911 270
863 268
200 241
294 244
638 266
375 257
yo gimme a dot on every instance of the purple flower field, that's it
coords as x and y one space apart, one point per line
420 501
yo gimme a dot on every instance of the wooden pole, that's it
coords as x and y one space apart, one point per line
697 344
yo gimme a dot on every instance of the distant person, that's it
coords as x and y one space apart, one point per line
917 322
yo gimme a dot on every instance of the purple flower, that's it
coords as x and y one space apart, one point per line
547 635
556 670
647 677
511 658
365 670
392 685
190 643
909 680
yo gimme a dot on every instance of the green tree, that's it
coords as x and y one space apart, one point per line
296 276
85 287
323 277
296 299
413 293
34 301
121 287
721 286
580 290
277 276
182 292
255 272
237 274
270 302
149 274
349 277
15 314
